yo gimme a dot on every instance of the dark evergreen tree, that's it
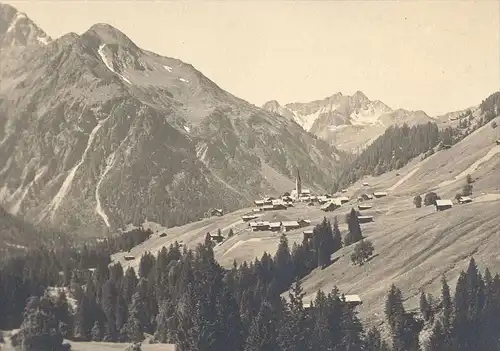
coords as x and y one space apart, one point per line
417 201
263 335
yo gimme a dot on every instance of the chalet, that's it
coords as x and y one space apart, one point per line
217 238
162 235
498 142
255 210
259 203
129 258
442 205
446 146
268 202
353 300
330 206
258 226
366 184
365 219
217 212
379 194
247 218
364 207
308 234
464 199
275 226
289 225
286 199
343 199
343 191
304 222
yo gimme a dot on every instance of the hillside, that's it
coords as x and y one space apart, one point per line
17 235
414 247
348 122
86 115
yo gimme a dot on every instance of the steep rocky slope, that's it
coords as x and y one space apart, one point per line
348 122
97 133
414 246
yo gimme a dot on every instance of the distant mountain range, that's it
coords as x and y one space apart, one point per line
348 122
97 133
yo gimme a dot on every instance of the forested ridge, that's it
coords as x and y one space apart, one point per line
185 297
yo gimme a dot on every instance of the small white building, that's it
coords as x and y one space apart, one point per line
442 205
379 194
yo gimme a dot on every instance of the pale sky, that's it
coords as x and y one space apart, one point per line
436 56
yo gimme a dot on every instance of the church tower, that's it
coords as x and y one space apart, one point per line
298 185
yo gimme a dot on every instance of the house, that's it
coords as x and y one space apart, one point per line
255 210
258 226
286 199
442 205
343 191
446 146
268 202
129 258
275 226
162 235
379 194
365 184
217 238
217 212
259 203
364 207
330 206
306 192
308 234
353 300
498 142
304 222
289 225
343 199
464 199
365 219
246 218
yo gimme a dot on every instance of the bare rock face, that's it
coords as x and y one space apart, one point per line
97 133
348 122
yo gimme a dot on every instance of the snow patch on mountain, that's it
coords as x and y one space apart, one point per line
184 80
187 129
109 63
110 162
43 40
168 68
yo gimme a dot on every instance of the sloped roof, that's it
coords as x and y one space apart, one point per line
445 202
352 298
290 223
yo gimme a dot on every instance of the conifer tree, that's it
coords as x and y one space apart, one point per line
337 238
263 335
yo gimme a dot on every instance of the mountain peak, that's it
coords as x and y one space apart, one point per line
18 30
110 35
360 95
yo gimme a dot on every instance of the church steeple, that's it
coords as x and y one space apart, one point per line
298 184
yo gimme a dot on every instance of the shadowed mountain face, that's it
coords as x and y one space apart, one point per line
97 133
349 122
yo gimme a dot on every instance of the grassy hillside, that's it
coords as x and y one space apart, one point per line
414 247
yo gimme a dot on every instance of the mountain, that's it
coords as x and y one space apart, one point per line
16 29
97 133
348 122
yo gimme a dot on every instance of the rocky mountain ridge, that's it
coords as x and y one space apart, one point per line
97 133
348 122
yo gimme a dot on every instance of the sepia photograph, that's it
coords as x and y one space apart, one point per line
249 175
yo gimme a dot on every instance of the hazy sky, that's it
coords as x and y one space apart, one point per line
436 56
